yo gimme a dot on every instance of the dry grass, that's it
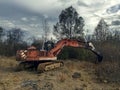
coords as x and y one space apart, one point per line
7 61
59 79
109 72
62 77
70 66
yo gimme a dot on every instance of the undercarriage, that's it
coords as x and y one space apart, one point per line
40 66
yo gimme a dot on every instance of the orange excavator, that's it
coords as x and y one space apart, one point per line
45 60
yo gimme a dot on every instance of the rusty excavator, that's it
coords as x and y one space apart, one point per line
44 60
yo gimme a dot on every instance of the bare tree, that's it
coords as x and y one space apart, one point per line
14 40
117 35
1 33
46 31
101 31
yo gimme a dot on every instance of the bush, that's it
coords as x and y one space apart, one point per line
109 49
108 71
76 53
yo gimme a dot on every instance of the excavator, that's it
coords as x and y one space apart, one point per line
45 60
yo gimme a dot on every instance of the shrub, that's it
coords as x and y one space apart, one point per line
108 71
76 53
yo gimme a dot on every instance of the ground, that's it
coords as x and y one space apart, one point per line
75 75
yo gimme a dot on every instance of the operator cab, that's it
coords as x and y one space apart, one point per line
48 45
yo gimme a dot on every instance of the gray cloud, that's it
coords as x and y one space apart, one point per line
80 3
28 14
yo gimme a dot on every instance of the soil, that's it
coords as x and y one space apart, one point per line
75 75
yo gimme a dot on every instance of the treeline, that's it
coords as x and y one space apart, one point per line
16 39
11 41
107 40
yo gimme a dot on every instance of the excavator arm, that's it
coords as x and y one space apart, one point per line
74 43
91 47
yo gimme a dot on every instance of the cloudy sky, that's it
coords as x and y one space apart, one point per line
29 14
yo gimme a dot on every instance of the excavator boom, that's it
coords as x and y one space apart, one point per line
74 43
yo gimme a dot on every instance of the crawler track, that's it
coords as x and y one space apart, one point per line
47 66
39 65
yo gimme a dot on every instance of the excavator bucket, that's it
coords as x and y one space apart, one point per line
91 47
99 55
